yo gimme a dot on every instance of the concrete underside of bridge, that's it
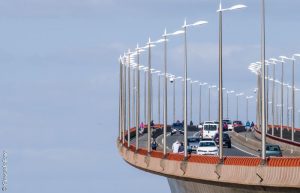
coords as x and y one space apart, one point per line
194 177
182 186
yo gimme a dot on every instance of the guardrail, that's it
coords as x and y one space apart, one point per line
282 140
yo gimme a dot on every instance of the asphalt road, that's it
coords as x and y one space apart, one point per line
235 150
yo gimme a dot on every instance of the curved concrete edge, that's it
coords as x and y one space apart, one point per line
231 174
181 186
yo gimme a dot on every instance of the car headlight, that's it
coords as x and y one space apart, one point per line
215 150
199 150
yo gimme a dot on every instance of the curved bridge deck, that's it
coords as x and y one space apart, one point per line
276 175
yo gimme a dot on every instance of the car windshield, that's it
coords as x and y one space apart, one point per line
210 127
207 144
193 140
273 148
177 125
227 121
237 122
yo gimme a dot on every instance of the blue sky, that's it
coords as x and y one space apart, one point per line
59 72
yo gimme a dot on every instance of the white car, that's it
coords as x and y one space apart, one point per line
200 126
209 130
229 124
207 148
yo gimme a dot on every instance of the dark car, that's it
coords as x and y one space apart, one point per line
225 126
226 140
237 123
273 150
192 143
177 128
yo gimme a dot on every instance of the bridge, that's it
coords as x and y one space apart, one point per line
240 169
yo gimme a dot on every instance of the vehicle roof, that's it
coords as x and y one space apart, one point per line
272 145
210 124
202 141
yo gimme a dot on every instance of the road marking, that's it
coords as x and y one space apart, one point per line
244 151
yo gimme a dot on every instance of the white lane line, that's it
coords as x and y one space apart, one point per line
244 151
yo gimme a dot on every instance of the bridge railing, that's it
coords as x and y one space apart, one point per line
202 159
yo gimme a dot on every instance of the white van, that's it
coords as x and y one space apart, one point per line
209 130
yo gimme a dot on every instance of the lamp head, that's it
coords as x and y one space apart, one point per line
239 6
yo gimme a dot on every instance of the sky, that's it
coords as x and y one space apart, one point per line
59 79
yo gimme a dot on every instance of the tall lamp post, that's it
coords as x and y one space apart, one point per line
165 35
209 88
124 99
191 100
237 104
221 10
273 93
158 91
287 104
293 91
137 116
282 79
293 98
173 81
185 26
129 98
149 45
145 93
247 107
200 100
227 102
120 99
159 97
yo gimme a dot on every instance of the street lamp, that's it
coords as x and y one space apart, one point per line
227 102
274 61
247 106
121 99
287 103
124 98
210 87
282 78
153 71
263 93
293 90
137 118
200 99
237 104
185 26
145 93
191 108
159 75
129 97
266 79
173 81
165 35
149 45
293 98
221 10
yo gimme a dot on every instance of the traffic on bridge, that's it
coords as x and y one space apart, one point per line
205 148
